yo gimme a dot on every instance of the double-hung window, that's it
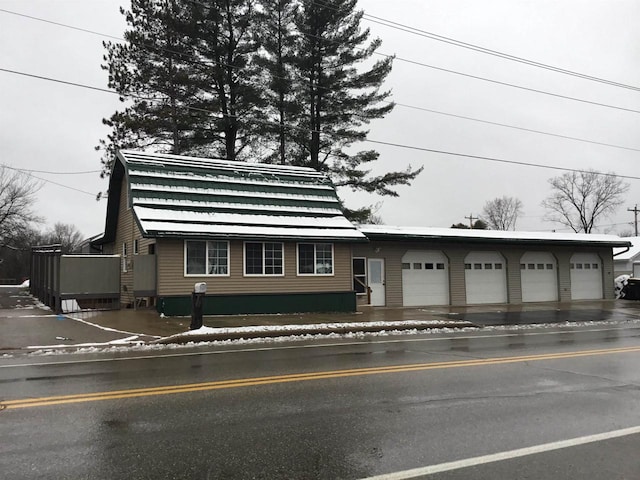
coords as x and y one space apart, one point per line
263 258
206 257
315 259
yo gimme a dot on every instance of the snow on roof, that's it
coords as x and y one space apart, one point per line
175 195
249 231
153 214
372 231
164 159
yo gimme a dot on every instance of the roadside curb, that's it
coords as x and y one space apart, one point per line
218 334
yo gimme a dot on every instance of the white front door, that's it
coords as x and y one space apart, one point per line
376 281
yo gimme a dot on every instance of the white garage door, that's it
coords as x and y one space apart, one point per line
425 278
586 276
539 277
485 278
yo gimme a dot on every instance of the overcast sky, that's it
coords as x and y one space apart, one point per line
51 127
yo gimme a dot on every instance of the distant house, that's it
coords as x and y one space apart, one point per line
265 238
624 258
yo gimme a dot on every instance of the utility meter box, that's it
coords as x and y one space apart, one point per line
200 288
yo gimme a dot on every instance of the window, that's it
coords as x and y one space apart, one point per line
360 276
549 266
578 266
571 266
477 266
531 266
488 266
315 259
540 266
406 266
587 266
595 266
417 266
206 258
523 266
135 247
467 266
263 258
440 266
428 266
498 266
151 249
124 257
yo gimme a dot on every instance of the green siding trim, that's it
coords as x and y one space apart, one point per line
261 303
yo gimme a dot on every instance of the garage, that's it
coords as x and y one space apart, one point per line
586 276
485 278
539 277
425 278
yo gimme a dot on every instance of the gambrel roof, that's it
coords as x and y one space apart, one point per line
179 196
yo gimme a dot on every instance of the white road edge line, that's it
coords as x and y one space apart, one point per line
498 457
295 347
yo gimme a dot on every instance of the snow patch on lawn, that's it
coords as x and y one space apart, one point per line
138 346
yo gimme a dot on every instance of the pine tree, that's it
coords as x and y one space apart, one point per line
152 73
229 79
340 97
277 37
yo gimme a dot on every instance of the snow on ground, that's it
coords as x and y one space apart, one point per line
119 346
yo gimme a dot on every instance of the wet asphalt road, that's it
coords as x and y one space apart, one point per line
338 426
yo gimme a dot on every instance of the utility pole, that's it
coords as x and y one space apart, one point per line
635 214
471 218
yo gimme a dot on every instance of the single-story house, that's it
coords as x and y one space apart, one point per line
412 266
624 258
264 238
272 239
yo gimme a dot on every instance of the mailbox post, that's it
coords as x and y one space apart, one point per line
197 301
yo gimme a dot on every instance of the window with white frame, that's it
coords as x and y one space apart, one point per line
263 258
315 259
206 257
136 248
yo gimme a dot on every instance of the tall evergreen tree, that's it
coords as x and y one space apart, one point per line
340 96
152 72
277 37
227 75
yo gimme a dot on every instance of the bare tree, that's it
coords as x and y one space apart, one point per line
17 194
502 213
67 235
579 199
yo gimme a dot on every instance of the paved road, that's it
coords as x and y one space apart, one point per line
348 410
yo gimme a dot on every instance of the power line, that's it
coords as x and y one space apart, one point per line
379 142
506 125
409 61
496 53
26 170
47 181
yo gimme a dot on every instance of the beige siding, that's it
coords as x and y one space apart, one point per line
126 232
172 280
